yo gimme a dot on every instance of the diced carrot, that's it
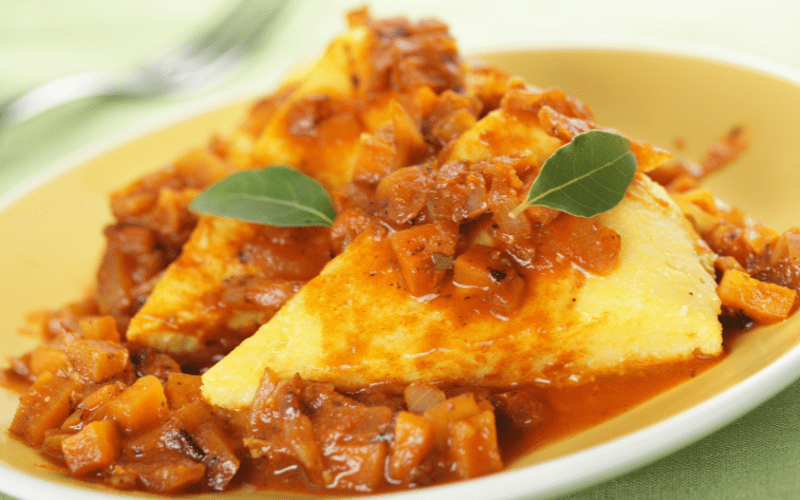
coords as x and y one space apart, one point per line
473 445
376 156
763 302
100 328
46 358
413 440
723 263
140 406
363 466
452 409
416 248
94 448
758 237
51 446
182 389
784 260
192 415
97 360
47 403
726 239
90 408
471 269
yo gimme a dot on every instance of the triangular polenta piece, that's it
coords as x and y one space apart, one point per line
226 283
314 123
356 324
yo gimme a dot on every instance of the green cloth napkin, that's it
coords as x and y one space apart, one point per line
758 456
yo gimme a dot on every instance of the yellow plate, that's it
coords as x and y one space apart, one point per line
52 239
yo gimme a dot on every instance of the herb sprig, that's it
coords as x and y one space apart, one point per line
584 177
276 195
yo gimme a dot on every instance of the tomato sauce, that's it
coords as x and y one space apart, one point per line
108 409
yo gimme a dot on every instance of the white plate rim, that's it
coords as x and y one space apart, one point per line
559 476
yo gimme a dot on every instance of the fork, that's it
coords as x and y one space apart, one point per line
214 53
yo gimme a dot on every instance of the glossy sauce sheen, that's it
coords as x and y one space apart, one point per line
382 144
565 411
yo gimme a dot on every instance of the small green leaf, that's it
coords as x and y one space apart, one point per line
584 177
277 195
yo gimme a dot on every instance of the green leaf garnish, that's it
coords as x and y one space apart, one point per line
584 177
277 195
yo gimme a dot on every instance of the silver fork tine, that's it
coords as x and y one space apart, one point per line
237 31
214 52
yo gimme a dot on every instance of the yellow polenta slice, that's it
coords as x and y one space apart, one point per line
180 315
354 325
315 120
187 309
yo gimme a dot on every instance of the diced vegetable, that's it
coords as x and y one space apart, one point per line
45 406
421 396
450 410
414 249
458 193
376 157
100 328
358 467
763 302
485 272
473 445
586 242
152 362
171 475
97 360
277 415
140 406
405 192
91 408
722 264
46 358
413 440
149 443
219 456
182 389
94 448
472 269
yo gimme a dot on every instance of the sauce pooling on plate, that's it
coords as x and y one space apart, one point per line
427 335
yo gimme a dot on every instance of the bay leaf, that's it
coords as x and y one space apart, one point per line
585 177
276 195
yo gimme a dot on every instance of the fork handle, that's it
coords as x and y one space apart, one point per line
56 92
